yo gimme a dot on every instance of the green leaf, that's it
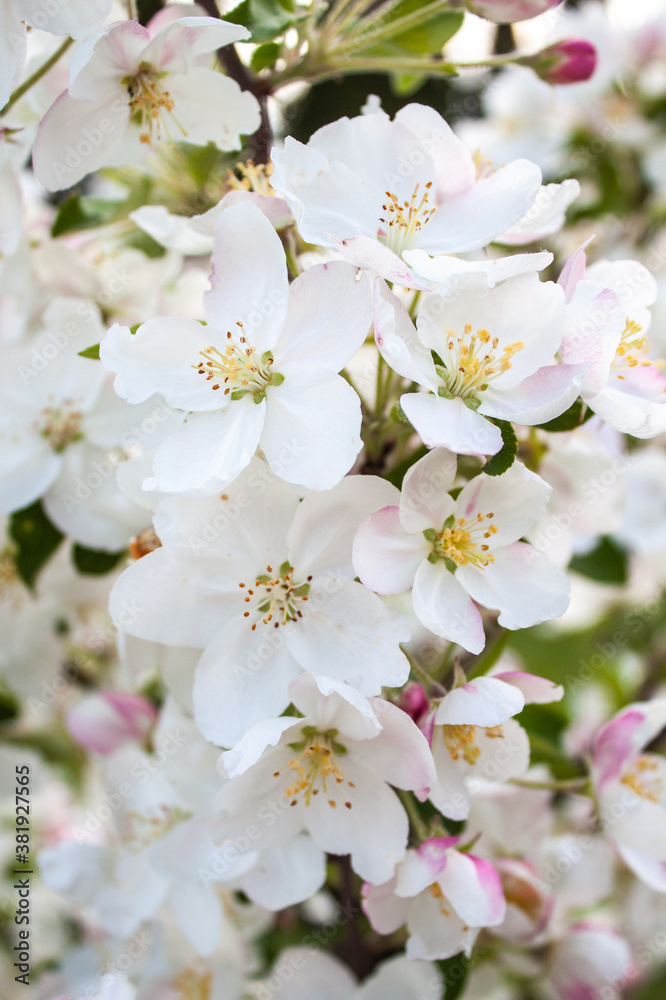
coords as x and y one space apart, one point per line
506 456
76 213
454 972
607 563
577 414
90 352
430 35
265 56
36 540
95 562
266 19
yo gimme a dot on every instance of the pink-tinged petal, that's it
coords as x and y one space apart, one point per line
423 866
516 500
399 753
231 112
522 584
448 423
385 557
77 137
474 888
102 60
104 721
574 270
369 254
625 736
485 701
328 319
385 911
541 397
210 450
594 321
176 46
312 432
441 604
535 690
425 502
248 278
398 341
451 275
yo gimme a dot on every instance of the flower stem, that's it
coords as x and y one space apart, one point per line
419 825
564 785
36 76
491 654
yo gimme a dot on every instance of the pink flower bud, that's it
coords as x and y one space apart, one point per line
508 11
414 701
104 721
570 61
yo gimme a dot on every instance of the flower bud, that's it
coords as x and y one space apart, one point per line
414 701
104 721
508 11
570 61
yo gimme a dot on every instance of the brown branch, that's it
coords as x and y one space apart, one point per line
261 141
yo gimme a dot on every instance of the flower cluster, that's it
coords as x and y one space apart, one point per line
324 481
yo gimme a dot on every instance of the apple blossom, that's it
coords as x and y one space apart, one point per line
443 895
329 773
474 738
269 363
570 61
130 87
377 189
608 317
493 362
454 553
266 594
629 785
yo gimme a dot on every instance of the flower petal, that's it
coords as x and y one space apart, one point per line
385 557
443 606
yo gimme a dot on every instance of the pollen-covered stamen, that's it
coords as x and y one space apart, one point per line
316 767
192 985
252 176
460 741
403 221
276 599
643 778
151 103
473 359
238 369
436 892
143 829
632 350
60 425
463 541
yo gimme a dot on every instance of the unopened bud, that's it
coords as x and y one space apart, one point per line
570 61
